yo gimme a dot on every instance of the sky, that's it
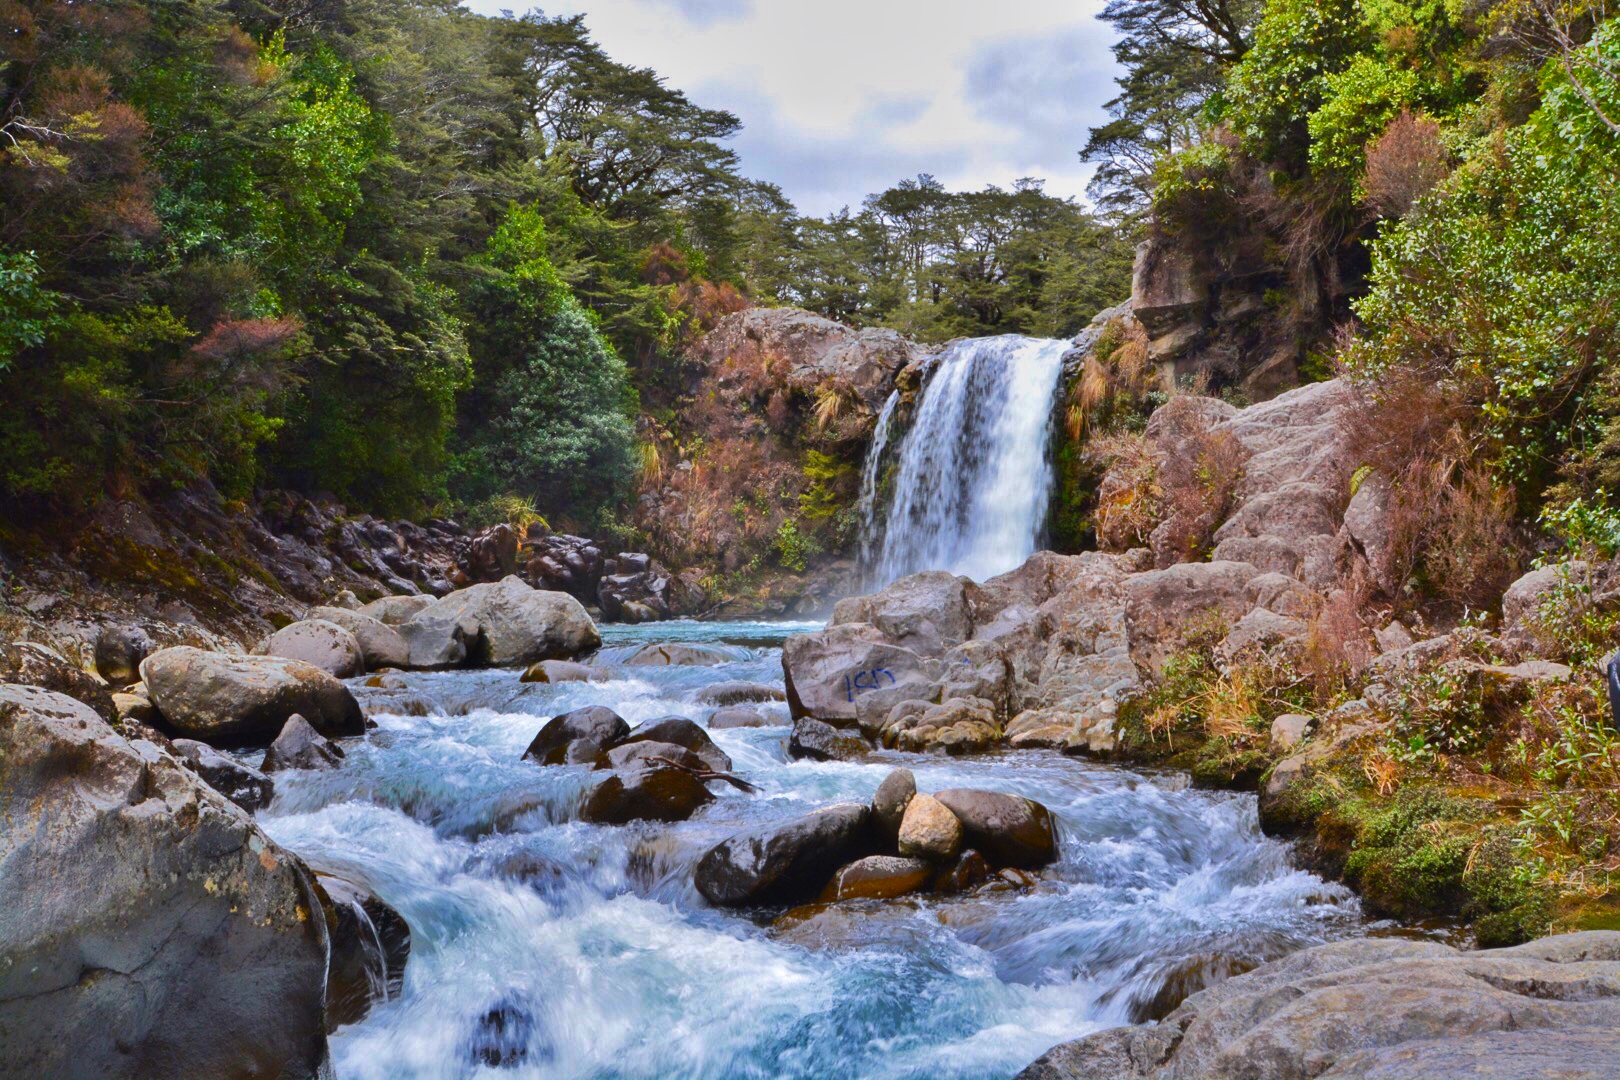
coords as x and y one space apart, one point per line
841 98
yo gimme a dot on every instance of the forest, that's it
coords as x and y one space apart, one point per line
419 258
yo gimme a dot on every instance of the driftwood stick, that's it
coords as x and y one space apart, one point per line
708 774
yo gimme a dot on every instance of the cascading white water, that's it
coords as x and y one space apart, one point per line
869 477
974 475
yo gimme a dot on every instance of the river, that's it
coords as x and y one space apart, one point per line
606 963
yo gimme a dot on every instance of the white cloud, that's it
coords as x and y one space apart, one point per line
840 98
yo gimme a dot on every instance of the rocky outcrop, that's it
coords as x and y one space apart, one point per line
32 664
636 588
217 698
1394 1010
151 928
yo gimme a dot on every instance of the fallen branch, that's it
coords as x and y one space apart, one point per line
708 774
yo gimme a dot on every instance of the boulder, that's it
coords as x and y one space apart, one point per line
381 646
739 716
643 791
634 587
216 697
578 737
815 741
890 801
434 642
318 643
879 877
501 1039
1521 604
627 754
395 610
926 613
928 830
1160 603
163 933
371 943
514 623
739 693
119 652
300 746
1381 1008
244 785
31 664
1289 730
682 732
828 672
1009 830
136 704
675 654
784 863
559 671
968 870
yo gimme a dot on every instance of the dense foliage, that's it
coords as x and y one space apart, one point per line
414 256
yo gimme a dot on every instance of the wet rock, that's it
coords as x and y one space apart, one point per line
561 671
244 785
217 697
300 746
1009 830
969 870
929 830
891 799
628 753
644 791
512 623
395 701
676 654
381 646
1381 1008
119 652
740 716
31 664
815 741
784 863
827 673
578 737
684 733
371 943
164 933
318 643
396 610
879 877
739 693
502 1037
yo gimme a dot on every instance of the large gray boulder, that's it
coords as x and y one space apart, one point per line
512 623
149 928
320 643
217 697
396 610
1395 1010
381 646
785 863
926 613
827 673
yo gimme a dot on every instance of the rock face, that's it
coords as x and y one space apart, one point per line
1386 1009
512 623
318 643
784 864
31 664
163 933
215 697
635 588
827 672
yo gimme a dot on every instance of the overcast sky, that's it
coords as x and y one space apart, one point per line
839 98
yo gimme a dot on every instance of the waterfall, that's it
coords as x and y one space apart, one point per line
869 477
974 474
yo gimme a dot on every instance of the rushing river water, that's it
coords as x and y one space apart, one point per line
607 963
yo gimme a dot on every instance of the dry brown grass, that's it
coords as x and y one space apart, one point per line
1382 771
1130 501
1199 492
1338 643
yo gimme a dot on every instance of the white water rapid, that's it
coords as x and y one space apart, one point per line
974 477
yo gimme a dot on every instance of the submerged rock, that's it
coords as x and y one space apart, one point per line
739 693
503 1037
785 863
560 671
675 654
300 746
1386 1009
740 716
371 943
150 927
244 785
578 737
216 697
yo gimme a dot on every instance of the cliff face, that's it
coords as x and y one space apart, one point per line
757 468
